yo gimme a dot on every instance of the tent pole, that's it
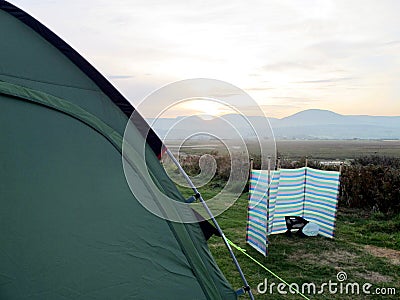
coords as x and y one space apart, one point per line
189 181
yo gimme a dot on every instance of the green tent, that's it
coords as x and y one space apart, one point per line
70 228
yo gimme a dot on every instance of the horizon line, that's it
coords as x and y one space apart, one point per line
299 112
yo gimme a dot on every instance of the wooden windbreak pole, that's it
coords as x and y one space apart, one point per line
268 198
305 184
251 167
269 174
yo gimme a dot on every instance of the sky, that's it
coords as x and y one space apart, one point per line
288 56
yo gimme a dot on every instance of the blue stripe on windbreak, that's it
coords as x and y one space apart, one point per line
322 188
315 199
257 240
292 192
324 196
290 185
261 212
252 228
259 179
258 233
257 215
260 190
320 199
322 178
329 219
293 178
279 229
290 201
323 173
312 201
315 185
324 212
328 233
327 196
258 223
290 206
255 245
308 218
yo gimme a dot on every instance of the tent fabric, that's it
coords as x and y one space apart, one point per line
304 192
70 226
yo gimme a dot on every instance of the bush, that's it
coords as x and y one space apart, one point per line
372 183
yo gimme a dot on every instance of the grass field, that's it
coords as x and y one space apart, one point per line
366 247
337 149
296 149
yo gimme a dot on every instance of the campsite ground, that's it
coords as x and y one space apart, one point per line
366 246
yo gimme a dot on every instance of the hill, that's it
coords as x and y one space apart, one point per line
307 124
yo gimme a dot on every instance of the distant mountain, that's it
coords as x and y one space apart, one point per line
324 124
307 124
312 117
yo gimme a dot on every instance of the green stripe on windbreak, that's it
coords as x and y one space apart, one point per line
262 242
324 226
293 170
287 206
299 187
291 179
321 198
325 188
256 202
258 195
323 172
322 216
292 197
257 215
259 172
322 190
325 181
263 229
324 207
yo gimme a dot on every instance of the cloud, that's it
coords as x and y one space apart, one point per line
339 52
392 43
258 88
329 80
295 99
284 66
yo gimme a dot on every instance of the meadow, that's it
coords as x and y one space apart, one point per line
337 149
366 245
296 149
